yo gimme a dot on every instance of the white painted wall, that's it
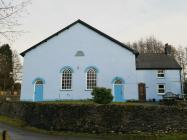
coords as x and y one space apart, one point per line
149 77
46 60
110 59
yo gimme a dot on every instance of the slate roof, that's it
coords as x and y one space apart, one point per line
86 25
156 61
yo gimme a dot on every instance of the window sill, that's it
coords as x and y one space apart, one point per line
88 89
160 94
65 89
160 77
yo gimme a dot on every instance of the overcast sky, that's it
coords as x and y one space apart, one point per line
125 20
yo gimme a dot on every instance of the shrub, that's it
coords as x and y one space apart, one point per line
102 95
168 102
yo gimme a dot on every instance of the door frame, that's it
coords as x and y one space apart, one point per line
35 91
113 87
34 87
122 88
144 86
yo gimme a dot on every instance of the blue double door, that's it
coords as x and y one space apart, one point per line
38 92
118 93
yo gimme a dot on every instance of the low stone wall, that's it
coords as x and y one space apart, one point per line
9 98
98 118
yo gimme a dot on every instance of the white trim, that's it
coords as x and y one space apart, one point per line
158 88
86 89
157 73
65 89
34 92
61 82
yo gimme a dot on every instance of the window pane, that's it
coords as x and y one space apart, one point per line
91 78
66 79
161 88
160 73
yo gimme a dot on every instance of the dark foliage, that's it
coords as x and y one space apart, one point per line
185 89
17 86
6 67
168 102
98 118
102 95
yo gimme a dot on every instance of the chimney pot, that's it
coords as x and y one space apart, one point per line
167 49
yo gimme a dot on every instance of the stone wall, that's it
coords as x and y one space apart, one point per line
94 118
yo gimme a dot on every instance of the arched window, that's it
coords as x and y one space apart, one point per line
91 80
66 79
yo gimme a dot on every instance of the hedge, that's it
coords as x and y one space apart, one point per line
95 118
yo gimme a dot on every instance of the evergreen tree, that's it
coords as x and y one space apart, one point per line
6 68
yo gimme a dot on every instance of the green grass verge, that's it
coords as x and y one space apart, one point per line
11 121
91 102
23 125
69 102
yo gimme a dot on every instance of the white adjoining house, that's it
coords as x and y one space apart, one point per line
68 64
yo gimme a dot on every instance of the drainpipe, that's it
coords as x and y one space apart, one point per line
181 84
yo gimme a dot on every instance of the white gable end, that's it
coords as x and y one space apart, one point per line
46 60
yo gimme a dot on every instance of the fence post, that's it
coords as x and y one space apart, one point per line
4 134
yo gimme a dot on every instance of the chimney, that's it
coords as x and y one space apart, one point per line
167 49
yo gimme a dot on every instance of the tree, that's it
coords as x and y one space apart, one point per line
148 45
153 45
181 59
10 12
17 67
6 67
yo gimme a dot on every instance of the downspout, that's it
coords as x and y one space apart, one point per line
181 84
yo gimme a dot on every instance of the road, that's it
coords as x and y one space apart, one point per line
21 134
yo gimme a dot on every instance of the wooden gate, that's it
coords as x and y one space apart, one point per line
142 92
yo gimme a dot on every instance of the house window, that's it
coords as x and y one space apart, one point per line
161 88
66 79
91 78
160 74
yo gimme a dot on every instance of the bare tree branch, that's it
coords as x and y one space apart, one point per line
10 13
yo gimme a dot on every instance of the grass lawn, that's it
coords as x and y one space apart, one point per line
91 102
11 121
70 102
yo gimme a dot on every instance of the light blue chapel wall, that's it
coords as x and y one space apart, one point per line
46 60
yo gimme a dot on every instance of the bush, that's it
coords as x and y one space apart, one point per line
102 95
91 118
168 102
